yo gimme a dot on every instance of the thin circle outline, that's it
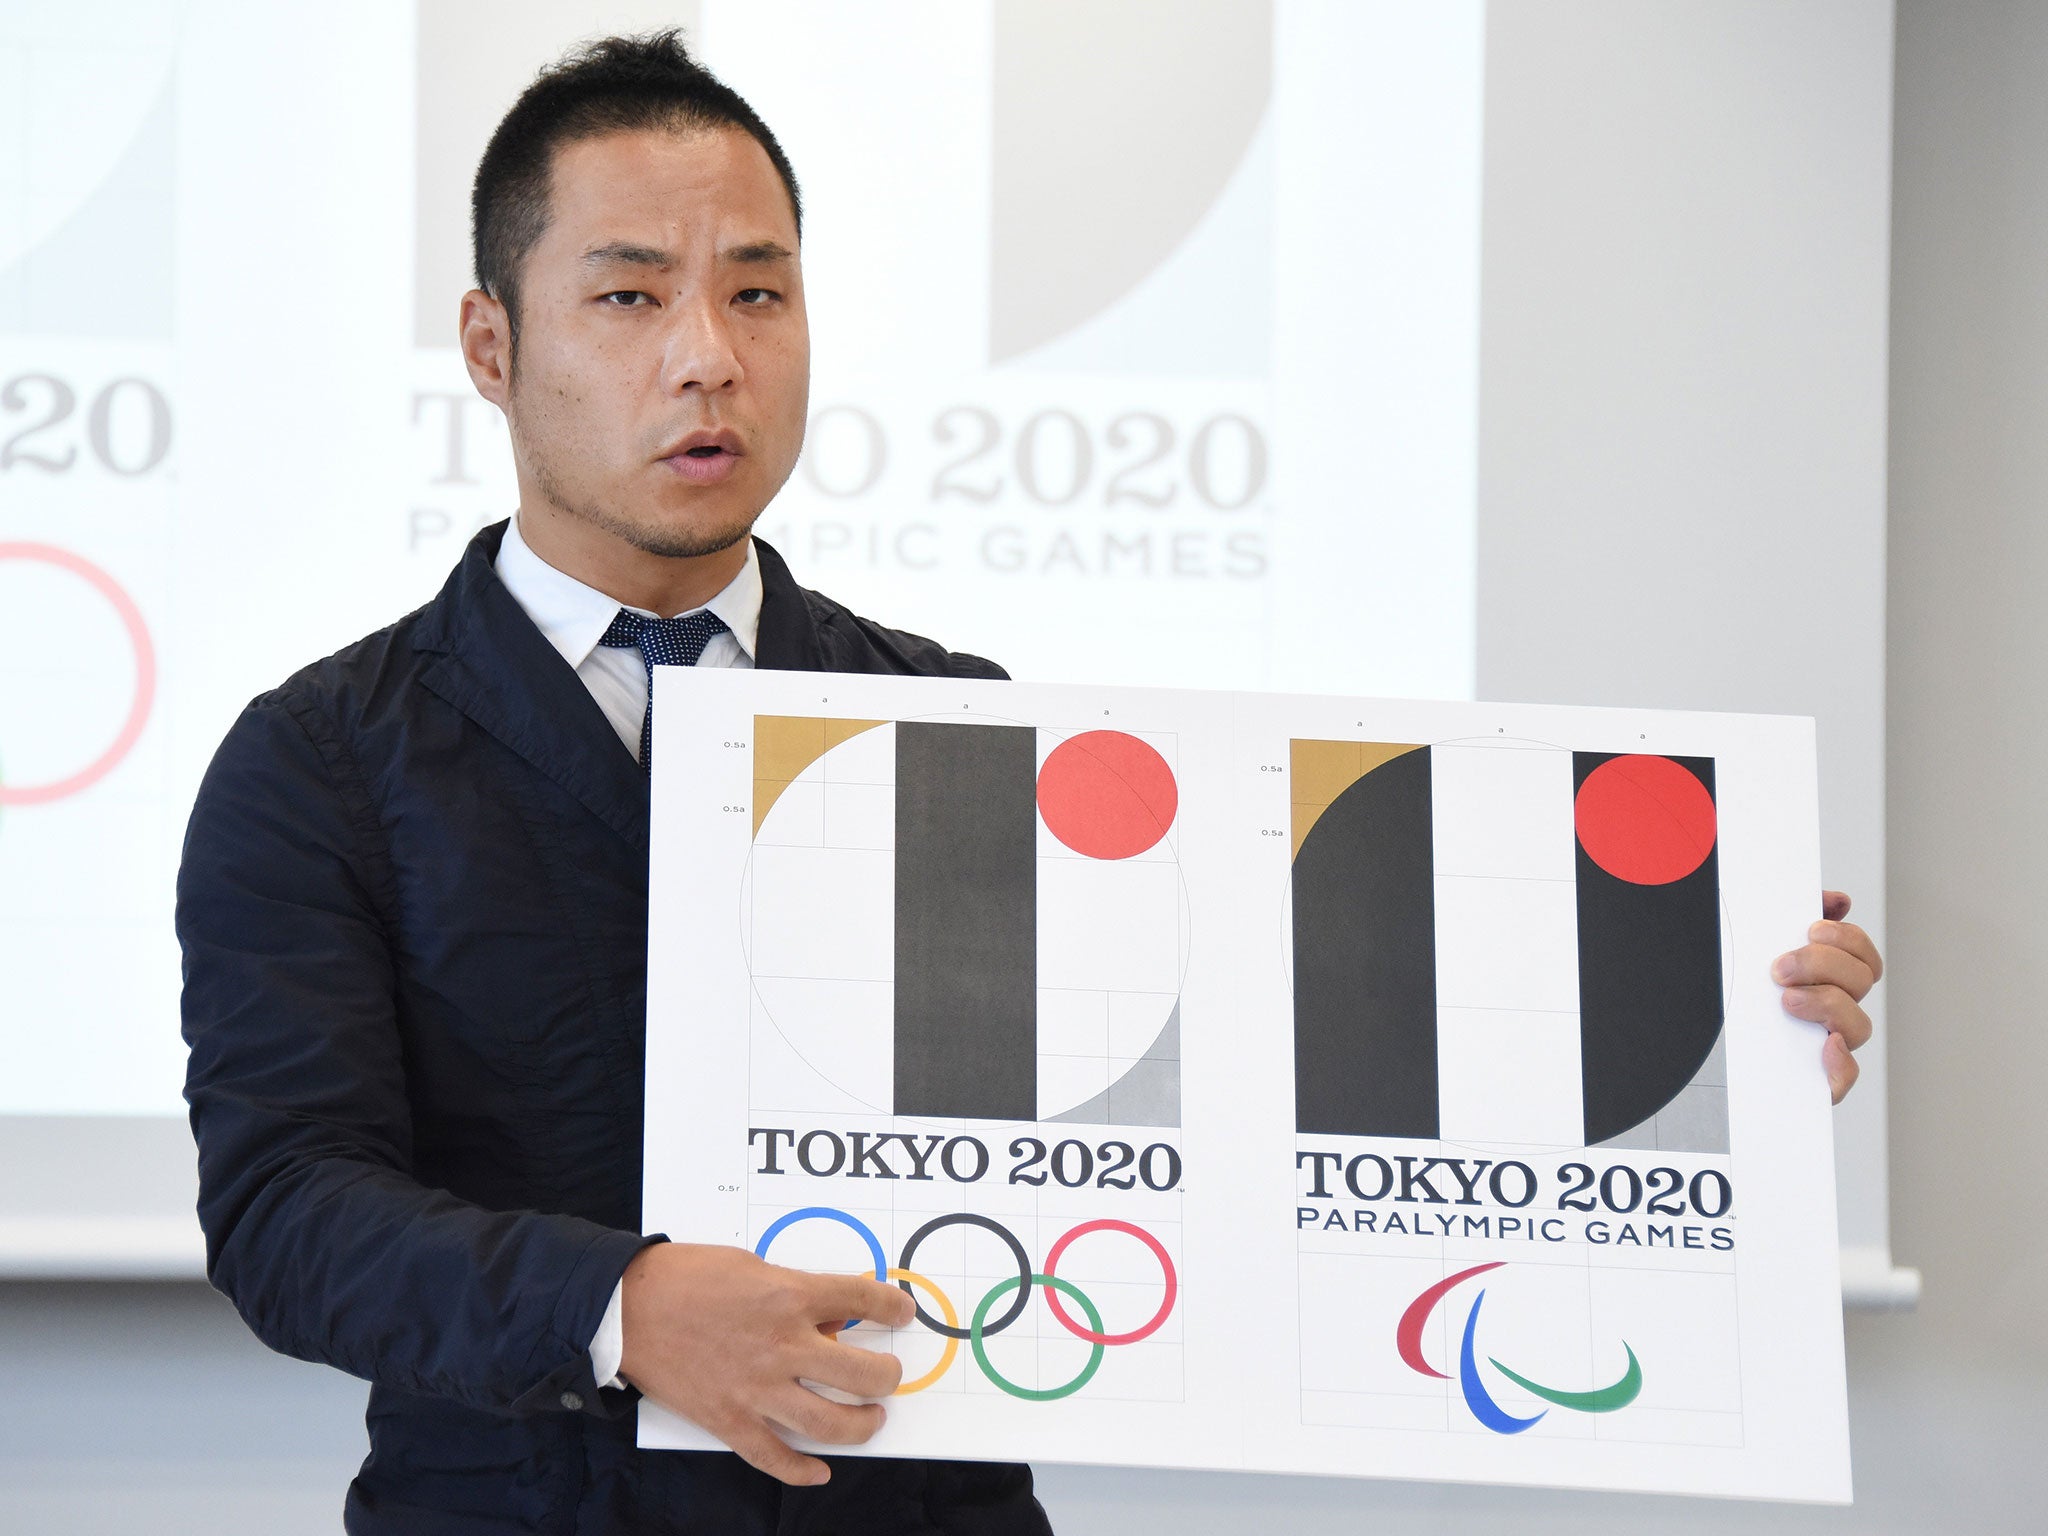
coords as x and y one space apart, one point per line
145 674
827 1213
1023 1285
909 1277
1098 1337
972 1219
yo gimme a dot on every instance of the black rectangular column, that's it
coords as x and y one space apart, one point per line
1636 942
1365 959
966 921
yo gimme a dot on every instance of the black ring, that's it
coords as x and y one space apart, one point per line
968 1219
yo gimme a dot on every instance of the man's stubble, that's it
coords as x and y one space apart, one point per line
673 543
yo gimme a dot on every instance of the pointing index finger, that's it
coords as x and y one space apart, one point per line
840 1297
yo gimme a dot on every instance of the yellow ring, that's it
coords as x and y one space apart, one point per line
952 1348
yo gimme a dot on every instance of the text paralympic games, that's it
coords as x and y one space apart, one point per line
1377 1184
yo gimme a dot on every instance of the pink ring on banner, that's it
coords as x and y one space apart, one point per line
145 675
1095 1335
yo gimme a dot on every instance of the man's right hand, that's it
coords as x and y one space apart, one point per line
728 1340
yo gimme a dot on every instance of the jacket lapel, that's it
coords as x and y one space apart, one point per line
491 663
789 640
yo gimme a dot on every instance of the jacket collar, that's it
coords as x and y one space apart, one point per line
575 616
789 639
491 663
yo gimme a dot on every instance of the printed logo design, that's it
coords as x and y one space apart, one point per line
1404 1026
975 838
1408 1340
1017 1287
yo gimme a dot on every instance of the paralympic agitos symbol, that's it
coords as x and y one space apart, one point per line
1408 1339
1018 1287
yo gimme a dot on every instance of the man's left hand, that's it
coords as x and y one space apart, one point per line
1825 983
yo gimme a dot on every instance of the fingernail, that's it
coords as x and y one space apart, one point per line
1781 969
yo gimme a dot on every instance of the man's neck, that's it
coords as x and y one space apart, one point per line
660 584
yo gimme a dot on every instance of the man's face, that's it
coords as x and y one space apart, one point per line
661 373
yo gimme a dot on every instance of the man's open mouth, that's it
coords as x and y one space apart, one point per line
703 445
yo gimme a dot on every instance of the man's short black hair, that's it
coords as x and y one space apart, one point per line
613 85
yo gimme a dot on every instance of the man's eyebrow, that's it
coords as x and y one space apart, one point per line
626 253
758 253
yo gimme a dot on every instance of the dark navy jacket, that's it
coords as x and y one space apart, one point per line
413 906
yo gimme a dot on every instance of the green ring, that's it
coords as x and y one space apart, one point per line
1048 1394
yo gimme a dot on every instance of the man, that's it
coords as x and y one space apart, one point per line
413 900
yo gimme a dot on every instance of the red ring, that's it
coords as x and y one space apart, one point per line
1108 1224
145 675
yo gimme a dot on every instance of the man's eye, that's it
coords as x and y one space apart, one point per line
627 298
756 297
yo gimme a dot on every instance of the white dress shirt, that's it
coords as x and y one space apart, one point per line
574 617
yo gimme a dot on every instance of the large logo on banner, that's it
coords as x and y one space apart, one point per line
1408 1341
1018 1287
1114 387
968 919
1070 130
104 149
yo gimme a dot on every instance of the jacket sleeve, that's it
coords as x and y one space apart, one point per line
315 1227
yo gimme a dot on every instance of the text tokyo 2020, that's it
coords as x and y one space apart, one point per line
1072 1163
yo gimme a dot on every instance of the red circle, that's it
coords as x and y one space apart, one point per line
1143 1331
1646 820
1107 794
145 675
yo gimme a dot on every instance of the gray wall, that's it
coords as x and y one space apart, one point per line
136 1407
1682 404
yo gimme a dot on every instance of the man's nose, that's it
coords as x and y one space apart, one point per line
700 353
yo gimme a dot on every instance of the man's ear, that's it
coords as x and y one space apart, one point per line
487 346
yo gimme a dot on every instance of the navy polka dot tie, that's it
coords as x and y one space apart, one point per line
664 642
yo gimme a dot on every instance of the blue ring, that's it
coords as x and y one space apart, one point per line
826 1213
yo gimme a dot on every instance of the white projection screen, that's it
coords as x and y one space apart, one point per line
1219 343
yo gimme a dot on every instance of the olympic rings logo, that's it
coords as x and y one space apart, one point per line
145 675
1018 1287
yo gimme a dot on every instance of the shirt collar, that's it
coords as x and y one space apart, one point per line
574 616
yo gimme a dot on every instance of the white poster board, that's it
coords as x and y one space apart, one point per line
1276 1083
